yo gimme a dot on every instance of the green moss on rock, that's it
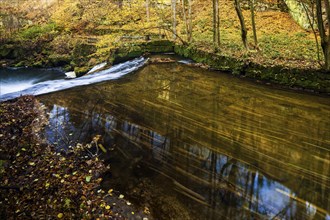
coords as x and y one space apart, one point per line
59 59
134 50
81 70
216 61
316 80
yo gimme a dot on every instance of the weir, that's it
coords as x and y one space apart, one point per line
43 83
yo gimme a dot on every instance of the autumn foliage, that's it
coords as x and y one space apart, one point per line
104 23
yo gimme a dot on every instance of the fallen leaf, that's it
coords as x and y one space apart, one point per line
88 179
102 148
47 185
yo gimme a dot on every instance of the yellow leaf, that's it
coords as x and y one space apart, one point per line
47 184
60 215
88 179
102 148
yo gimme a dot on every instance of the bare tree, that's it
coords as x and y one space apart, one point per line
242 22
173 5
310 14
253 23
187 19
324 34
148 10
216 23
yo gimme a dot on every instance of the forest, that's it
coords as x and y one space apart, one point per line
260 31
165 109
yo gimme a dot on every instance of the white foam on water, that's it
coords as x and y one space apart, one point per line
11 86
97 67
49 86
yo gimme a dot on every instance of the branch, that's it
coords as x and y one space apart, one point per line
163 28
311 23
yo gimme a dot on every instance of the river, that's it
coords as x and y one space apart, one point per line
212 145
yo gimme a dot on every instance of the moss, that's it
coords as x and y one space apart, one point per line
81 70
81 53
38 64
134 50
316 80
67 68
11 51
19 64
5 50
301 78
217 61
59 59
126 53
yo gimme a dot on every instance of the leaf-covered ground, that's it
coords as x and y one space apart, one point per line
37 182
62 27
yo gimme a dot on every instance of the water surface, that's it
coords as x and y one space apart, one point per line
28 81
224 148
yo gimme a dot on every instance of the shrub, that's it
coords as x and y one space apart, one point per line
36 31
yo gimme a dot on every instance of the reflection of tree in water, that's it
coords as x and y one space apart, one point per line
214 141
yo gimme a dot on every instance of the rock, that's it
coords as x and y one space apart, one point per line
70 75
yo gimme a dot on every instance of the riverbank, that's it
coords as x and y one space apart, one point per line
39 181
291 74
286 75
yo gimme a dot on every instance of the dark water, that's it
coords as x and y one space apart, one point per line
222 147
19 79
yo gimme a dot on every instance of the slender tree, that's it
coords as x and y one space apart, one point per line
120 3
242 23
216 23
253 23
310 14
187 19
148 10
325 37
184 13
173 4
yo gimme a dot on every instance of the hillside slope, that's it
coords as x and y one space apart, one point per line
61 25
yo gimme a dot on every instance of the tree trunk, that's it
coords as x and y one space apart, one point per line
242 22
311 20
189 21
327 49
120 4
174 19
325 39
253 23
148 10
216 23
183 5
